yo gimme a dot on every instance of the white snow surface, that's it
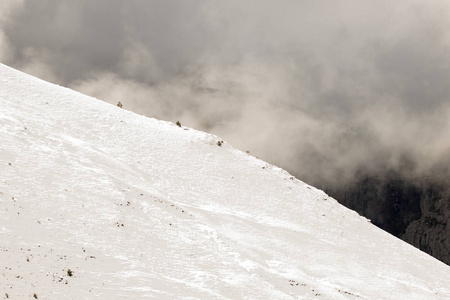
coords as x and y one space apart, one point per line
139 208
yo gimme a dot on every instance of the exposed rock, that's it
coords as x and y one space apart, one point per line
416 211
431 233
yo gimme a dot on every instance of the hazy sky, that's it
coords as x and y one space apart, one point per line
322 88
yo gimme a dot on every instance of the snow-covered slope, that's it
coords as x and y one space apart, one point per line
138 208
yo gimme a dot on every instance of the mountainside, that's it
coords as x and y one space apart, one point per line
97 202
415 211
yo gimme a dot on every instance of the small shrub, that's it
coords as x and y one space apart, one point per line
69 272
119 104
35 296
219 143
178 124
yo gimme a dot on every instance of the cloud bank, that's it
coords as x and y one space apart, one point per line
324 89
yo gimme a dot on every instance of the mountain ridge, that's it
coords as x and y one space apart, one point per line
139 208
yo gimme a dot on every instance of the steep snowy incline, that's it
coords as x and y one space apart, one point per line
99 203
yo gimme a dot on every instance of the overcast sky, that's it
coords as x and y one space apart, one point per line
322 88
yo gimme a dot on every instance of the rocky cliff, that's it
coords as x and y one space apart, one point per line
431 233
417 211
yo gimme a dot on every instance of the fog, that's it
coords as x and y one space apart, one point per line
324 89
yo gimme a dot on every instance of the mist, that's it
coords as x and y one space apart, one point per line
324 89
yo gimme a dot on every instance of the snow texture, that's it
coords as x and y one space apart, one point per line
97 202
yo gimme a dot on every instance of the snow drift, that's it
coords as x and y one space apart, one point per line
97 202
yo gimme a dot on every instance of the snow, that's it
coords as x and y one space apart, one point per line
139 208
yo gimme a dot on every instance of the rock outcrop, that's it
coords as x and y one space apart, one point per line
431 233
417 211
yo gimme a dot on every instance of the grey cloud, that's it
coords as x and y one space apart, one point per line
322 88
89 36
7 8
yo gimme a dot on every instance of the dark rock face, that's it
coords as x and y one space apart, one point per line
416 211
431 233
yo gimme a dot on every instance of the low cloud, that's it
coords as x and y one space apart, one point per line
324 89
7 8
